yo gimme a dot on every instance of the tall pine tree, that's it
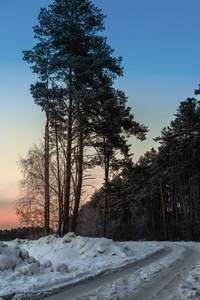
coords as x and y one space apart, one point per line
78 59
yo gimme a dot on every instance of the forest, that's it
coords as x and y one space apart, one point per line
156 198
89 124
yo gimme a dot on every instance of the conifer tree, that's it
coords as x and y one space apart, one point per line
78 59
113 123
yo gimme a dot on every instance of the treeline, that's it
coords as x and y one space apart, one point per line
159 196
88 122
22 233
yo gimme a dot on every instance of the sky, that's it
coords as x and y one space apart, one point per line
160 45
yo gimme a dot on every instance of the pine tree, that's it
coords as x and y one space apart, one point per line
112 125
78 59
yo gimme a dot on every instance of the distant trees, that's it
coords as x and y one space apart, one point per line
76 69
32 233
157 197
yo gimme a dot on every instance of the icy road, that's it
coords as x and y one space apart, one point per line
161 274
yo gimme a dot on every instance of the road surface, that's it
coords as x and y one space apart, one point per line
162 287
159 287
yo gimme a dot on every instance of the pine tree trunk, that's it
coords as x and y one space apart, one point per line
106 166
79 180
68 165
163 210
60 204
68 172
153 216
47 172
185 212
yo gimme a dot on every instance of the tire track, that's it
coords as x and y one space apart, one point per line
94 283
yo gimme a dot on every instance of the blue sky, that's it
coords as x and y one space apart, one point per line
160 45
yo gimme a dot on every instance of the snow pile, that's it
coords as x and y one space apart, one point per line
77 247
17 260
51 262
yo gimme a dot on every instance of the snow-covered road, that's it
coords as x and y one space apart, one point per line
75 267
166 284
89 287
34 268
162 284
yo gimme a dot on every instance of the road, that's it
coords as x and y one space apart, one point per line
162 287
159 287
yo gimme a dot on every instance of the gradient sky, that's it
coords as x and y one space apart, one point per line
160 45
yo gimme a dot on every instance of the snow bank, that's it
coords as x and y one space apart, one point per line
16 259
190 288
51 262
77 247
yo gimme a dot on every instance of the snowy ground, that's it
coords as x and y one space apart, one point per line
30 267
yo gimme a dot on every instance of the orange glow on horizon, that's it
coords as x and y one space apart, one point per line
8 195
8 219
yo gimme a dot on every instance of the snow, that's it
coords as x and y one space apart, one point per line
125 287
190 288
30 267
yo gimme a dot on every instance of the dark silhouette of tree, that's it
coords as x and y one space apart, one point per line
71 55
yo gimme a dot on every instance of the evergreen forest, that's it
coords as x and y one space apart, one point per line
89 125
